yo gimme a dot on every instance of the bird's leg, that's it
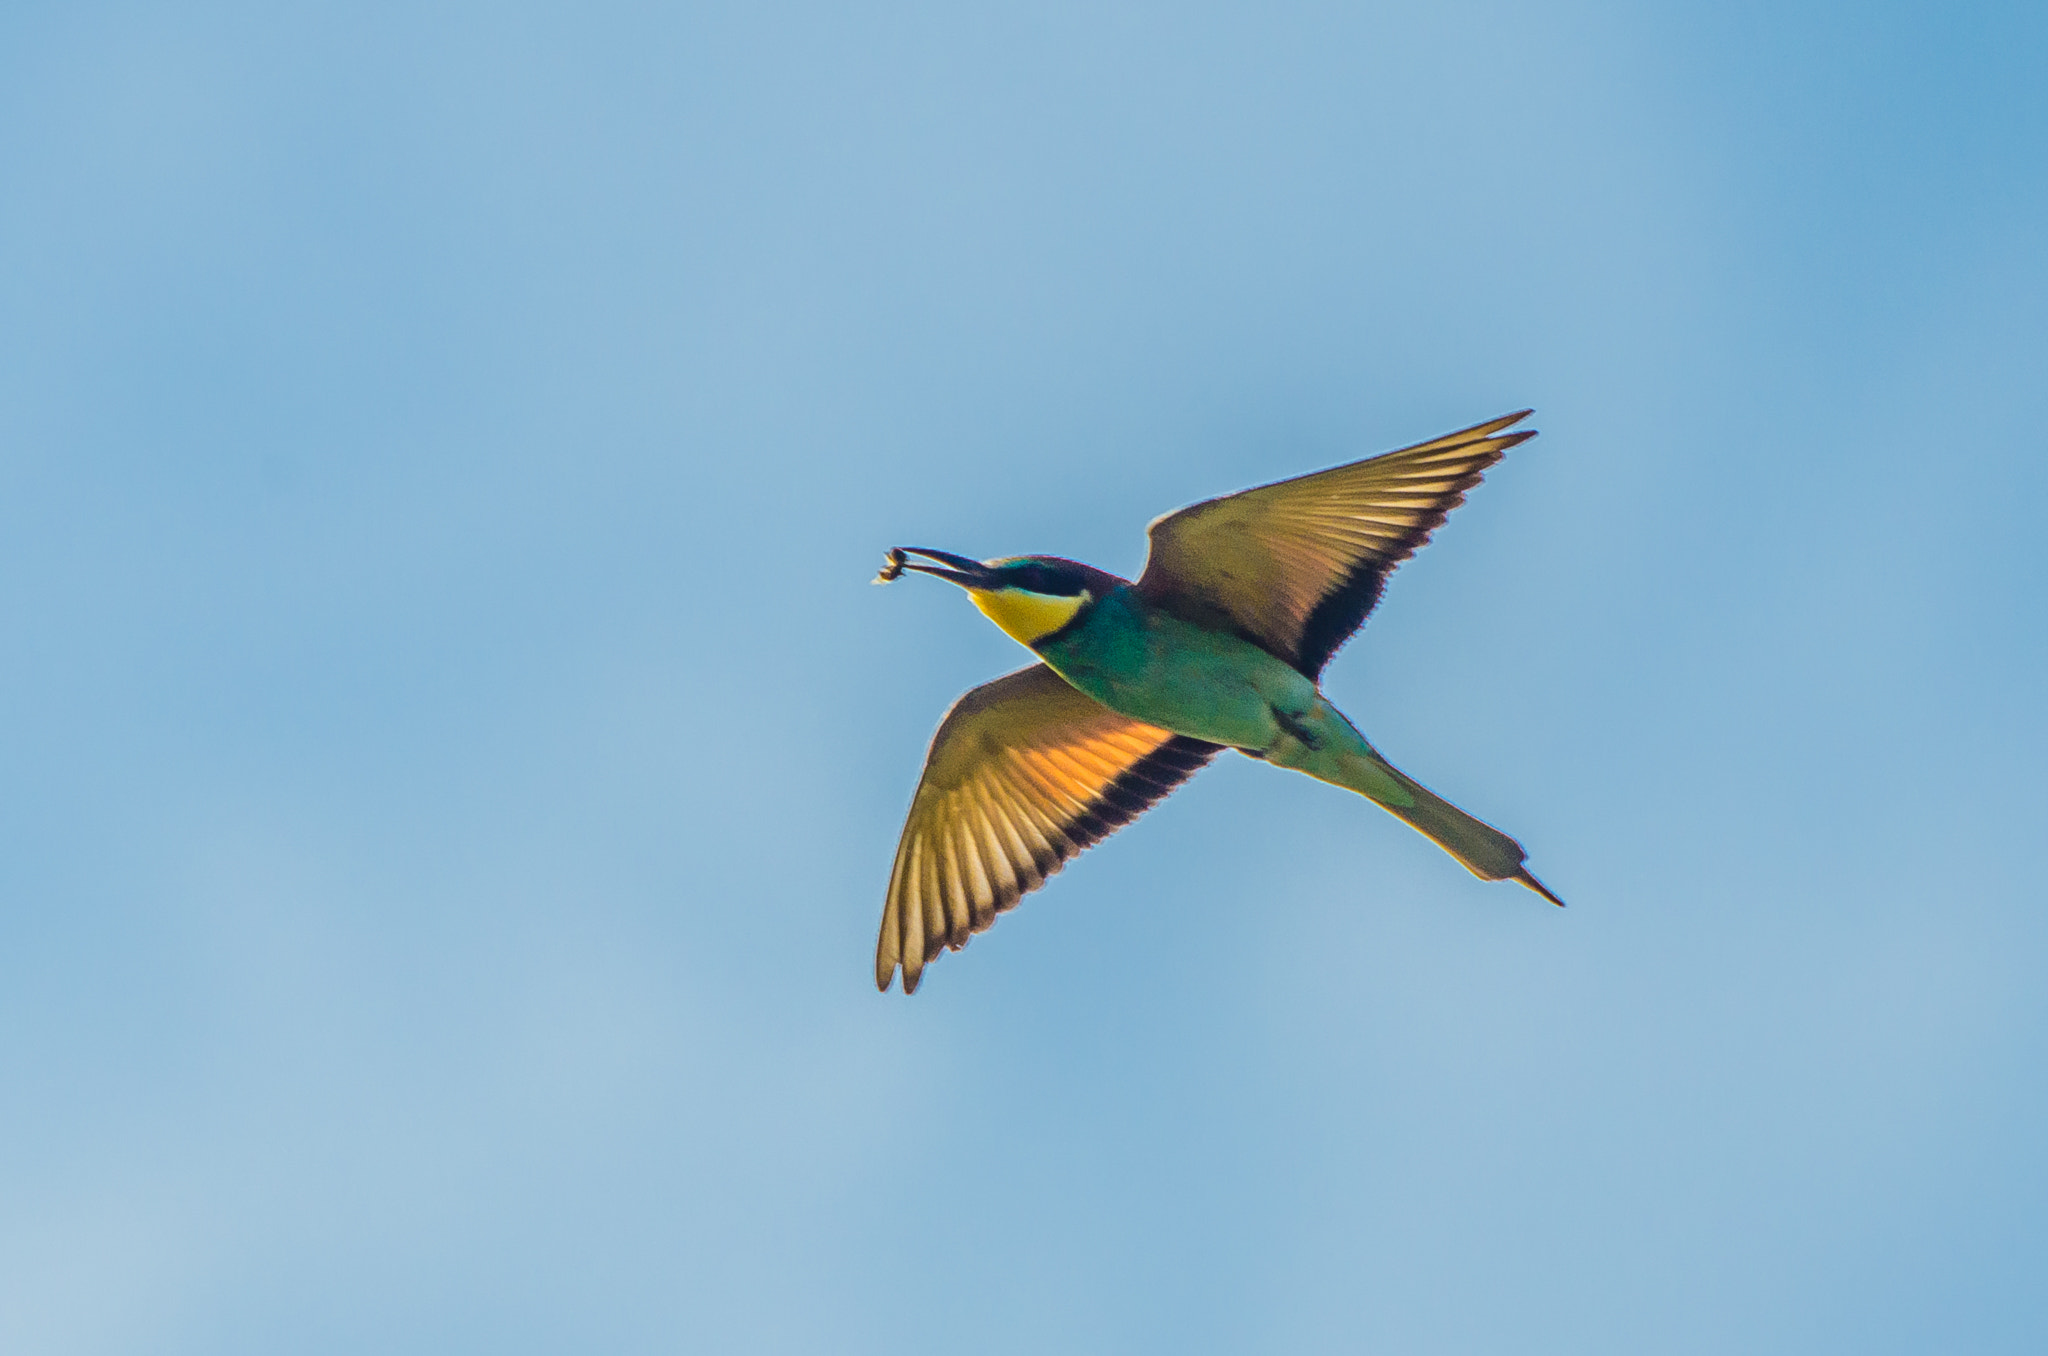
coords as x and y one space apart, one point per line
1293 724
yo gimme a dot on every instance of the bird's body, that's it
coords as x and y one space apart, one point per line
1218 645
1146 663
1153 666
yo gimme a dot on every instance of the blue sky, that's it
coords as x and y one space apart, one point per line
453 753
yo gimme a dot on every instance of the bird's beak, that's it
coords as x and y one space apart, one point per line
967 573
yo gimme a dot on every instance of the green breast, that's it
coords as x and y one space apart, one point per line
1167 672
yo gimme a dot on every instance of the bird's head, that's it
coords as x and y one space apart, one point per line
1032 598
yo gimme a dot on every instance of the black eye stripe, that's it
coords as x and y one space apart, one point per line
1036 578
1052 576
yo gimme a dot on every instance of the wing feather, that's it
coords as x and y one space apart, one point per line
1023 773
1295 567
1020 857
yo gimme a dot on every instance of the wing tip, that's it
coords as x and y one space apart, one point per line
1488 428
1499 432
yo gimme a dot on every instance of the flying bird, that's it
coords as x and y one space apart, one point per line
1219 644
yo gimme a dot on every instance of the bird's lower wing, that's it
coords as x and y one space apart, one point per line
1023 774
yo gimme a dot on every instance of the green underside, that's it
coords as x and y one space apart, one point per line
1206 685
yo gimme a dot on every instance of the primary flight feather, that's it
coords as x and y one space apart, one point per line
1218 645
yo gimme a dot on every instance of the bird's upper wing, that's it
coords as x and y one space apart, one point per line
1024 773
1294 567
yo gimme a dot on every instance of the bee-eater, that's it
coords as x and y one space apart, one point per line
1218 645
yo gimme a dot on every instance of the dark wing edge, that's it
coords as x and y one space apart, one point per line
953 874
1343 610
1413 482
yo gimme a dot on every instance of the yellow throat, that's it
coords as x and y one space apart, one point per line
1028 617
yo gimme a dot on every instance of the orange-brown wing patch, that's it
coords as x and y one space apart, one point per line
1295 566
1024 773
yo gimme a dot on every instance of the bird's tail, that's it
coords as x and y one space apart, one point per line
1484 850
1335 752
